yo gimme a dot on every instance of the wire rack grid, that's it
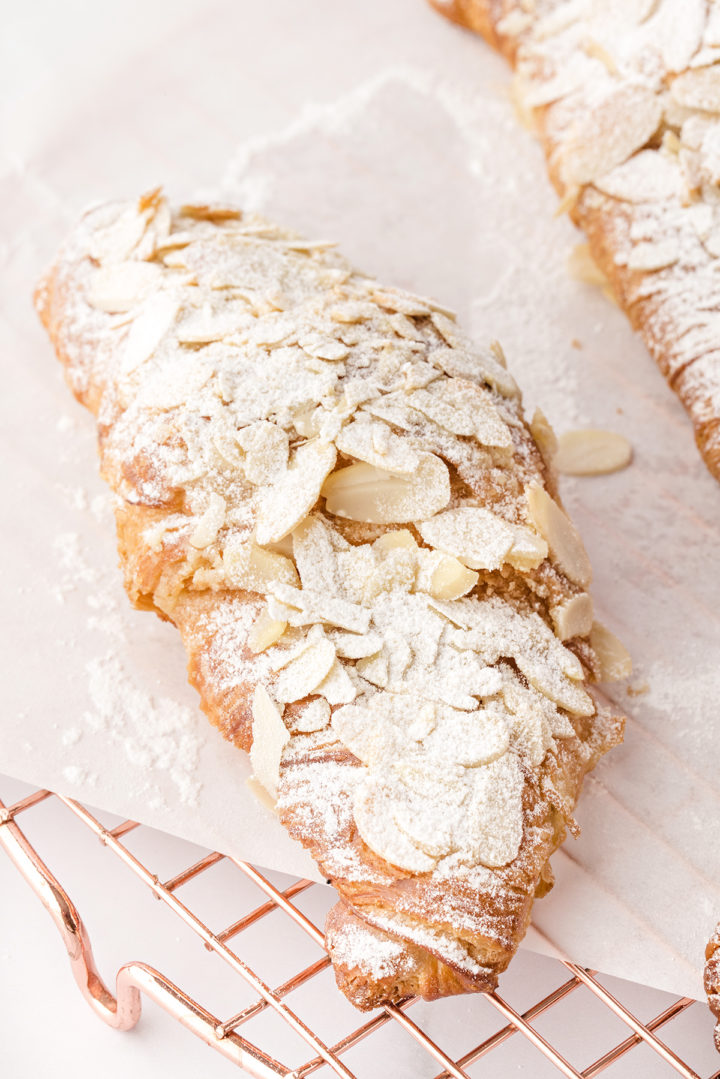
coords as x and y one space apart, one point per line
122 1010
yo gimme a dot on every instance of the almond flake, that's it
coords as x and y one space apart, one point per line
251 567
315 716
477 537
613 656
314 606
148 329
399 537
574 617
463 408
115 242
449 579
296 490
648 176
266 449
373 441
379 831
270 736
462 360
544 436
606 135
337 687
592 452
698 88
210 523
564 541
651 256
528 549
305 673
119 286
364 493
374 669
356 645
583 267
265 631
315 556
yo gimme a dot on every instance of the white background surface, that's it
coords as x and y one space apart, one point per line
383 127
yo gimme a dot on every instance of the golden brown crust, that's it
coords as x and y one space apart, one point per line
661 307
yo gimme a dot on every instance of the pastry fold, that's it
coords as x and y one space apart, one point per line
625 97
337 500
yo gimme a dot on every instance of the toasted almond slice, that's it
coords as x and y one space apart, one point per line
528 549
592 452
609 133
614 658
563 539
296 490
248 566
266 449
477 537
148 329
315 556
574 617
337 687
315 716
379 831
356 645
270 736
259 792
375 443
119 286
265 631
451 579
314 606
374 669
698 88
363 493
305 673
212 520
424 827
399 537
542 432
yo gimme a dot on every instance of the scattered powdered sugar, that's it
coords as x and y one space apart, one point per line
155 734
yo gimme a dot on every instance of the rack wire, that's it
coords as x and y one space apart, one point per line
121 1010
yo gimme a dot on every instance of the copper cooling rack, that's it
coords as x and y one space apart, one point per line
227 1035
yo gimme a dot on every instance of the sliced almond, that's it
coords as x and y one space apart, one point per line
270 736
251 567
148 329
259 792
305 673
374 669
563 539
528 549
614 658
119 286
315 556
295 491
265 631
698 88
574 617
592 452
425 827
266 449
337 687
312 606
210 523
363 493
583 267
375 443
378 830
475 536
545 437
606 135
451 579
356 645
315 716
399 537
650 256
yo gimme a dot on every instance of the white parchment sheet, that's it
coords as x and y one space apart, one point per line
384 128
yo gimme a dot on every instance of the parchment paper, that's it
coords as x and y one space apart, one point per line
392 133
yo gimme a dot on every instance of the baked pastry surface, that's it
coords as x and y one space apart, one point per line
337 500
625 96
